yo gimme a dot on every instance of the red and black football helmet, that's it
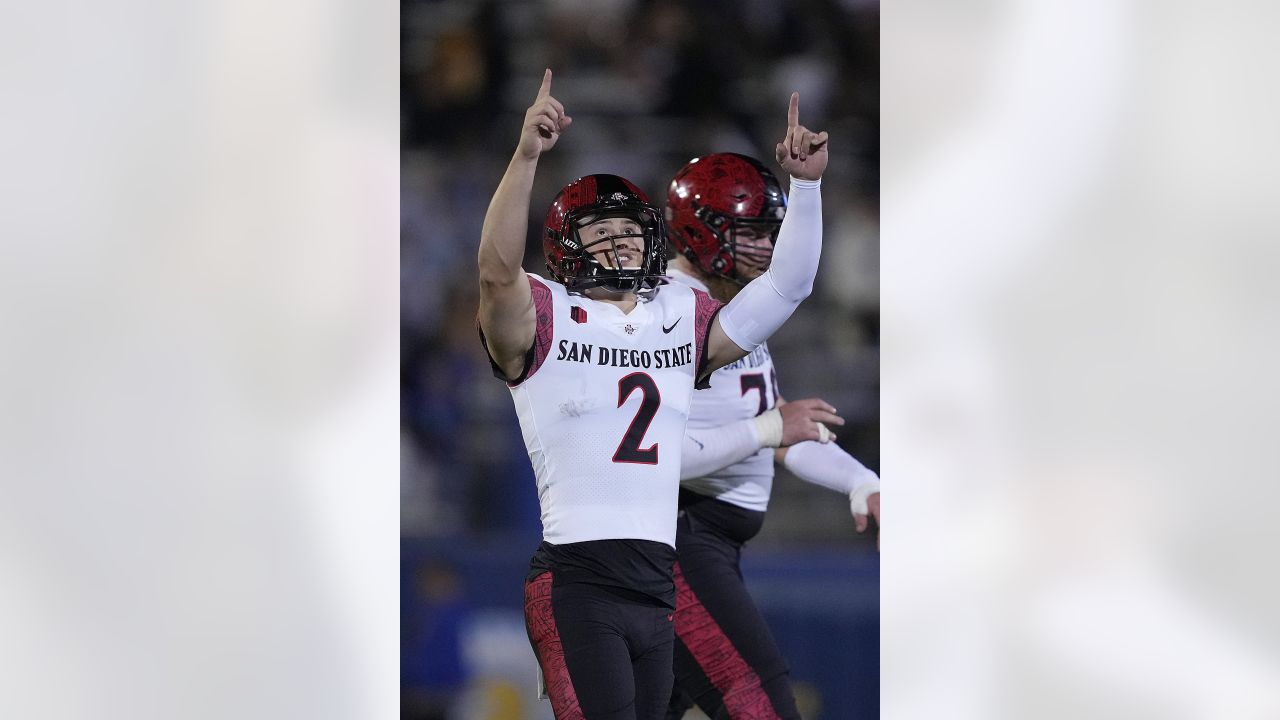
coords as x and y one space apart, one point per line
713 196
591 198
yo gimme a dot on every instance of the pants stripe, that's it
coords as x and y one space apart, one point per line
541 624
744 696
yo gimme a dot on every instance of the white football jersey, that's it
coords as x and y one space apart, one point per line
738 391
603 406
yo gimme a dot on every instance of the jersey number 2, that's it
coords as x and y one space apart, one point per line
629 449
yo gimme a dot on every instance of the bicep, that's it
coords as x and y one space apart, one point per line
508 320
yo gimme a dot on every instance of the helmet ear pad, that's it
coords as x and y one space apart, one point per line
712 197
571 262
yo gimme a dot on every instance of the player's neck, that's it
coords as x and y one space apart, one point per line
624 301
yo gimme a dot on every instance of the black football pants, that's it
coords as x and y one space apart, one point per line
726 660
605 652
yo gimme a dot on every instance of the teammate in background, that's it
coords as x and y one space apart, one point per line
723 214
601 359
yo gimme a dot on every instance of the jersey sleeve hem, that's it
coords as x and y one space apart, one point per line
705 310
542 336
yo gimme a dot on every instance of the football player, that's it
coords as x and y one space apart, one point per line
601 359
723 214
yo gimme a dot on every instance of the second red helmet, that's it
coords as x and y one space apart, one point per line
713 196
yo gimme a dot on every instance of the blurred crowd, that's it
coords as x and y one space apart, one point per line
650 84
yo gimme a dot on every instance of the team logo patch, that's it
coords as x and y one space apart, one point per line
631 329
577 314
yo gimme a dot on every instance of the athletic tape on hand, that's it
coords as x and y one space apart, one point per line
769 428
858 498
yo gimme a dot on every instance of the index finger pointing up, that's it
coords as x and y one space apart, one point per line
793 111
545 90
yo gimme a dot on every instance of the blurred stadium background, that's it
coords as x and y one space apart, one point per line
650 85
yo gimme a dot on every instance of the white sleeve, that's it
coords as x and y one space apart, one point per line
708 450
761 307
826 464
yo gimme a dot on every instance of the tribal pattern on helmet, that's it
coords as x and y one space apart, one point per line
713 196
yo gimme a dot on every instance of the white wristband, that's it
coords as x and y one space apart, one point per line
769 428
858 498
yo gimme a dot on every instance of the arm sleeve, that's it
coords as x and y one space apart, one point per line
766 302
706 451
828 465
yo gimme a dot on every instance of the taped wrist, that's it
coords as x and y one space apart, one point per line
769 428
858 498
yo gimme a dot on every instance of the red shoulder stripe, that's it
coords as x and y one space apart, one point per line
542 336
705 309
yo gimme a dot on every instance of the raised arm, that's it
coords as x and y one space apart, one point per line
766 302
506 303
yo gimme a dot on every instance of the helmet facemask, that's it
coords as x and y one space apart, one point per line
728 262
640 275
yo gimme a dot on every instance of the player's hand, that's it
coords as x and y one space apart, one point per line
860 521
807 420
802 153
543 122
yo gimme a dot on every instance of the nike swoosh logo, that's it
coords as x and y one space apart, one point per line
666 329
700 445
